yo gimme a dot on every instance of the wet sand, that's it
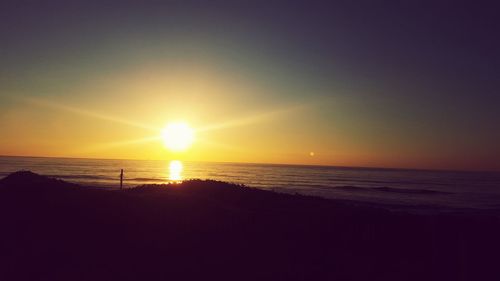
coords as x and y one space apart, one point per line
54 230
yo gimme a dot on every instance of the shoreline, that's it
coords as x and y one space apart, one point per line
391 189
423 209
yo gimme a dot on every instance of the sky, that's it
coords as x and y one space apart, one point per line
406 84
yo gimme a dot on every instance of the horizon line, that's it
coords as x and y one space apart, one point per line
271 164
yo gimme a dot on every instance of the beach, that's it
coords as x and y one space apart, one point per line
54 230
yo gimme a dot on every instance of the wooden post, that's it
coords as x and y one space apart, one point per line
121 179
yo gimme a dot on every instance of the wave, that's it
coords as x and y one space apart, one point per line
389 181
391 189
90 177
414 191
147 179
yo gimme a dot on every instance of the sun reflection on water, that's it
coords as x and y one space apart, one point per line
175 171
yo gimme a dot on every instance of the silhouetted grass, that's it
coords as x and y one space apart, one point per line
210 230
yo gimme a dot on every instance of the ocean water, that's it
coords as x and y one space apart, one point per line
404 188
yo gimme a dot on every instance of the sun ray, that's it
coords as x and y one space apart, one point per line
110 145
220 145
88 113
261 117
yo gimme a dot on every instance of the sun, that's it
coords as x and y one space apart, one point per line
177 136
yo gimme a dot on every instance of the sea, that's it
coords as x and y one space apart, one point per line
393 188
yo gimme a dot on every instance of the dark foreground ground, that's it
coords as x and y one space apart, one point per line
205 230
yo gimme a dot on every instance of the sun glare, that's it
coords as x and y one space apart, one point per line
177 136
175 170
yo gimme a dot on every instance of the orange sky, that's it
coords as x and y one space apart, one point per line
111 100
236 118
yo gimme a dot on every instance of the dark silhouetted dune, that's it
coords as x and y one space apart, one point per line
209 230
27 180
